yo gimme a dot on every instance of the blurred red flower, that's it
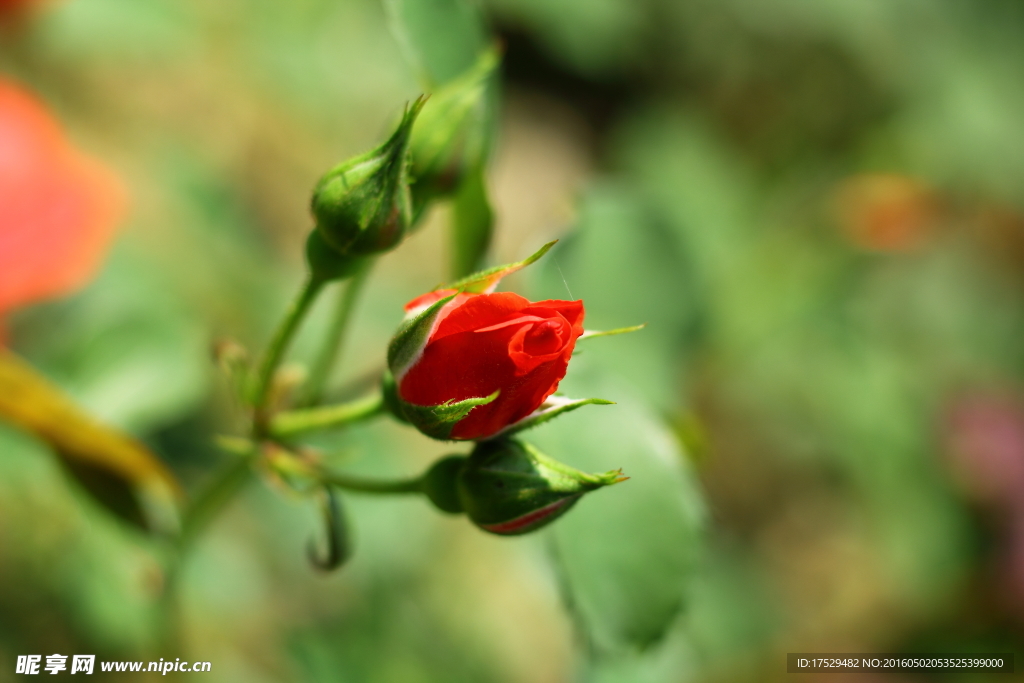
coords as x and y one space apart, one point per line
58 208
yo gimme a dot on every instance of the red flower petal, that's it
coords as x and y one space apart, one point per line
495 342
425 300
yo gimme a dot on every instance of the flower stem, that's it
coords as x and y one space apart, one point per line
330 353
362 485
311 419
278 346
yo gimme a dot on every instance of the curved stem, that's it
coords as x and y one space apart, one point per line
298 421
279 344
363 485
330 353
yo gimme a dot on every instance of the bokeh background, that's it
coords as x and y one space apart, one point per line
818 209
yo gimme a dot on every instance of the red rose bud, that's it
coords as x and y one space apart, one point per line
508 487
362 206
452 136
469 363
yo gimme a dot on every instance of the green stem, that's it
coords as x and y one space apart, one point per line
333 344
362 485
311 419
279 344
212 499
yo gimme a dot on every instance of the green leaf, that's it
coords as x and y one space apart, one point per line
441 38
627 557
472 224
412 336
438 421
552 408
622 262
487 279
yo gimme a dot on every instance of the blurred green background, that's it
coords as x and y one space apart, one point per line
818 209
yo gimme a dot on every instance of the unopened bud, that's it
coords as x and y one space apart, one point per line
452 136
508 487
362 206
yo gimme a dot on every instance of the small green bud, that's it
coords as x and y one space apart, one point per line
362 206
508 487
440 483
452 136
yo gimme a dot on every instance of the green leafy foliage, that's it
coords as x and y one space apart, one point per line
705 146
625 559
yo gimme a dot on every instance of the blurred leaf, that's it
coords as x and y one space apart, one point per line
472 225
154 31
441 38
627 553
595 37
109 465
626 265
126 350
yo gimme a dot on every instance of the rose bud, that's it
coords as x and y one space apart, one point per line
469 363
452 135
362 206
508 487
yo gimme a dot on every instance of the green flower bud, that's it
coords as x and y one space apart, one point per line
508 487
362 206
452 136
440 483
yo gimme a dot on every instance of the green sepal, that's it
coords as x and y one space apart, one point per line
508 487
389 390
362 206
440 483
412 336
484 280
453 134
591 334
438 421
326 263
549 410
